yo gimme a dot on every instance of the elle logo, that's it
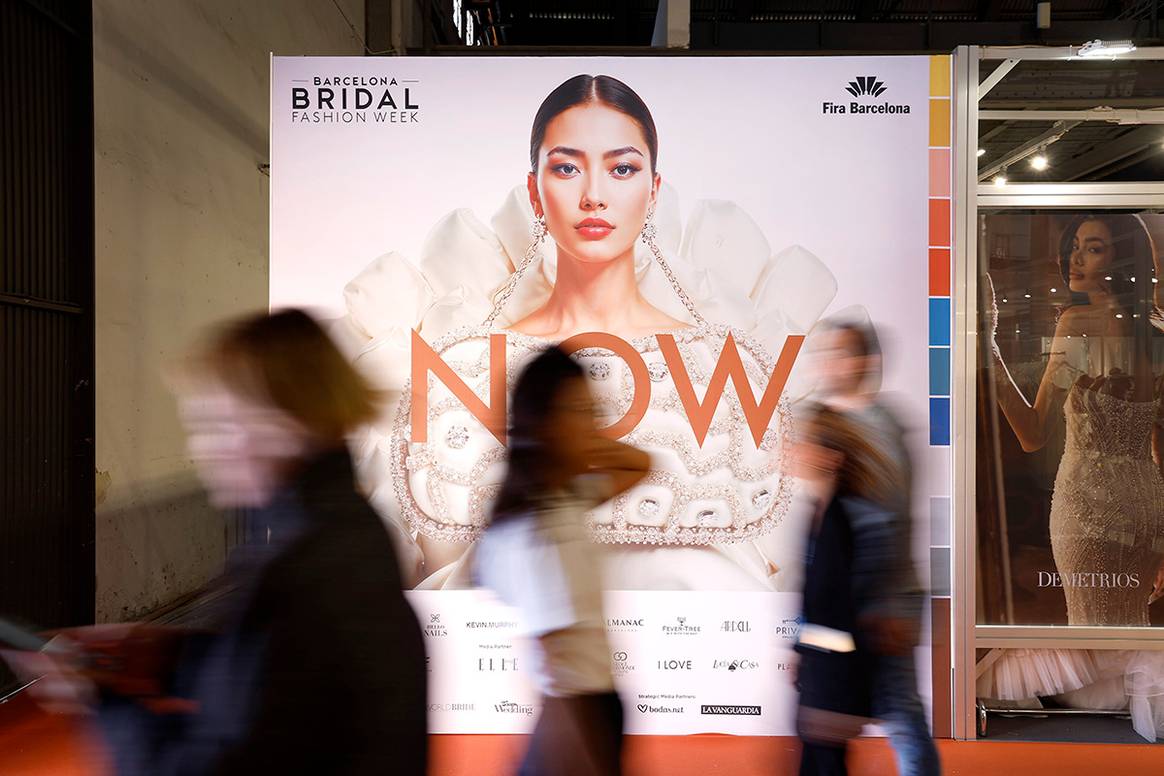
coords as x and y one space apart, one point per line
699 414
674 665
492 664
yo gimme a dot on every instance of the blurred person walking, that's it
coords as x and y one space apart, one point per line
319 664
847 577
850 362
537 556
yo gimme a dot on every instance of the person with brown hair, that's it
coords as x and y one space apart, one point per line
537 557
318 665
847 582
849 353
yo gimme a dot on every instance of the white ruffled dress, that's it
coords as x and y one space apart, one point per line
716 517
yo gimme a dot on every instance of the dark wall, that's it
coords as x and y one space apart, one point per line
46 312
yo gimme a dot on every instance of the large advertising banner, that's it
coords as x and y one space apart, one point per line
450 216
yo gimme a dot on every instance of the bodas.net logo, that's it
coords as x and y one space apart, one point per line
355 99
866 89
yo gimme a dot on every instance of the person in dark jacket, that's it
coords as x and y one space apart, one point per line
847 579
851 361
319 665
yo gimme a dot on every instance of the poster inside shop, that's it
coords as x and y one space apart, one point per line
1070 421
442 213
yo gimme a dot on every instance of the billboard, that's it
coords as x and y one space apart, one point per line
683 242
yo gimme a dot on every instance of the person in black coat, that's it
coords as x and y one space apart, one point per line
848 580
318 665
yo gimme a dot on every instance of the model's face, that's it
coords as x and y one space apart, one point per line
594 182
1092 253
241 448
571 427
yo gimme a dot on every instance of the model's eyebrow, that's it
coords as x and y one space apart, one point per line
1095 239
622 152
575 153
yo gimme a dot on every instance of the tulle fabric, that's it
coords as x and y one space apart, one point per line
1144 684
1031 673
1109 680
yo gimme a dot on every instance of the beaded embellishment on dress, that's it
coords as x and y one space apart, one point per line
725 491
1107 512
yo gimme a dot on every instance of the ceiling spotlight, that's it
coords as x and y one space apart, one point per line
1119 315
1133 278
1026 296
1107 278
1039 162
1005 300
1054 290
1098 48
981 152
1000 179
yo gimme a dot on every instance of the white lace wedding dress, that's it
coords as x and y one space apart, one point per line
1107 536
1107 512
715 517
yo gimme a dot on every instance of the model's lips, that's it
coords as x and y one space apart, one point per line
593 228
1075 275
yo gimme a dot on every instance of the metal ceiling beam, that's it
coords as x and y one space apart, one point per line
1028 148
1062 52
1107 153
1000 102
1111 115
999 73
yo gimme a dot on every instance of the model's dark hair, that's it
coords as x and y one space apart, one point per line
1132 258
530 461
587 89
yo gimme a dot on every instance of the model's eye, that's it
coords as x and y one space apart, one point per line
624 170
566 169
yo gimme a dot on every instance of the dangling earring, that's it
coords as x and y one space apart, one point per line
650 232
538 232
649 236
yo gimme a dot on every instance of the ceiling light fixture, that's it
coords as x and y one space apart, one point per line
981 152
1000 178
1098 48
1039 161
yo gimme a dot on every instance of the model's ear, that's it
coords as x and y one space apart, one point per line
535 201
656 184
